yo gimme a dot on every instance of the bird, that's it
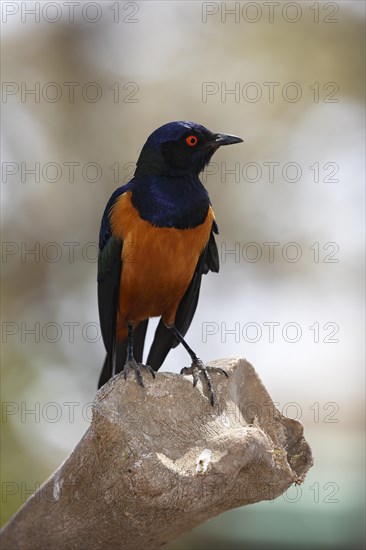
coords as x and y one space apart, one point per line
156 240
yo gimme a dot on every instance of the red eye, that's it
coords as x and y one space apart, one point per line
191 141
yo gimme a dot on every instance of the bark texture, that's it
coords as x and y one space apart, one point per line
160 460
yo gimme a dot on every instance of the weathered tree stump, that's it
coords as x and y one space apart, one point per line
160 460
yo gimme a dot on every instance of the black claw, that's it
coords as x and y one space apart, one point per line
131 365
195 378
152 372
198 367
222 371
139 377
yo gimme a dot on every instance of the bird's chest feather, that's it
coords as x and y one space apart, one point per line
158 262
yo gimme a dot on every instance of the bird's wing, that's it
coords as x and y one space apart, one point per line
109 277
164 340
109 282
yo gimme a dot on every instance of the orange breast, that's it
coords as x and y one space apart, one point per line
158 264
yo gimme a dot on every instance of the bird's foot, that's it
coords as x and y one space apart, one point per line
197 368
132 366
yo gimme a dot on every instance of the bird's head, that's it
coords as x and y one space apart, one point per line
180 148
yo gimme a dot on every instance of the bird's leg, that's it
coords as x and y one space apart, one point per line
131 364
197 366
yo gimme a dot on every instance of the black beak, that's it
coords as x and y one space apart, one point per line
226 139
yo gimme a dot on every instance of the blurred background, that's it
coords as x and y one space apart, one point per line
83 87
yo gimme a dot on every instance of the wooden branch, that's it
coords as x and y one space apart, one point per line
160 460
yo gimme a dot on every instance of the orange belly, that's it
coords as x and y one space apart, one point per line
157 264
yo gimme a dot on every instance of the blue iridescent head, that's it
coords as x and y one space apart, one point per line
180 148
